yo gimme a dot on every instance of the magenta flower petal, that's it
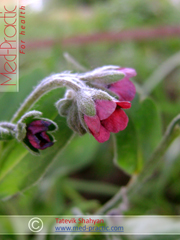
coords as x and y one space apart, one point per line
38 126
104 108
45 140
44 136
34 141
124 104
39 140
46 145
109 114
124 88
116 122
129 72
93 124
103 135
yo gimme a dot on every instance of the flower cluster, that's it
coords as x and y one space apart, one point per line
109 114
97 111
93 103
109 118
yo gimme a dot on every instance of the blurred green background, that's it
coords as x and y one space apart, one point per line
83 175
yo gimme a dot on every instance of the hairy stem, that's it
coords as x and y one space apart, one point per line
6 134
48 84
8 125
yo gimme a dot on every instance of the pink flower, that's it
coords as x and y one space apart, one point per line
109 118
109 114
124 88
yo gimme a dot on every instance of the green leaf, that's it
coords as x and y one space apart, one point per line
127 148
79 152
138 141
20 169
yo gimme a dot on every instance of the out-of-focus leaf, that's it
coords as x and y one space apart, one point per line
137 142
18 168
79 152
127 148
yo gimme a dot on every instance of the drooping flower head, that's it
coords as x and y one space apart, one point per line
109 114
114 78
98 107
93 102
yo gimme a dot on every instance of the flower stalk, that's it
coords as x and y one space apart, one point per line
50 83
7 131
6 134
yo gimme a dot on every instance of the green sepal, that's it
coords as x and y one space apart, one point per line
85 103
30 148
106 75
6 134
63 106
73 120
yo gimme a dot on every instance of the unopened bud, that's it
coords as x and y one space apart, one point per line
85 102
27 117
63 106
101 95
73 120
70 94
33 131
22 123
105 75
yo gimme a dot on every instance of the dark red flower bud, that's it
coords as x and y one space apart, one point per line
37 136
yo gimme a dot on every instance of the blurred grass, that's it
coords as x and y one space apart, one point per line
61 19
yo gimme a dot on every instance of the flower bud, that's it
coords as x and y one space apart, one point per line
105 75
24 120
70 94
73 120
88 102
37 136
63 106
85 102
101 95
33 132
